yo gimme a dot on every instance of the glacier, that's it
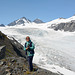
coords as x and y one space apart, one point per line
54 50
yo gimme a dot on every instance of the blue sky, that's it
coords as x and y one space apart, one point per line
45 10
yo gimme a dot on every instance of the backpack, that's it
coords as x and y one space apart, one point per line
31 51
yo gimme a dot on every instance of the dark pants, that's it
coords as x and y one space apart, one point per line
30 58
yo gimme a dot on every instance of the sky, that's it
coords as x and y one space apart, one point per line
45 10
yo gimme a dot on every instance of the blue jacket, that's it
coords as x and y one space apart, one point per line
32 48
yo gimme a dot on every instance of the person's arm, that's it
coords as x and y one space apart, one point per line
33 46
24 48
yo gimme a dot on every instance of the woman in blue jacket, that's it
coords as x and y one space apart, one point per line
29 48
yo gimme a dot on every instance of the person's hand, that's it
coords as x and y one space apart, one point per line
27 48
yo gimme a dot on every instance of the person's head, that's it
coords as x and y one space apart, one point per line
27 38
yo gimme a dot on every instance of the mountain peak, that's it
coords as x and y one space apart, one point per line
23 18
20 21
2 25
61 18
38 21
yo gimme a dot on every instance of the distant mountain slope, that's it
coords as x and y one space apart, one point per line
57 24
20 21
69 26
2 25
63 24
38 21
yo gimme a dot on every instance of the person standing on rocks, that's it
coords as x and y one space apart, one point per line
29 51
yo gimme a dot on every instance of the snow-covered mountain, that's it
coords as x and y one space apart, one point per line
69 26
60 20
57 24
22 21
2 25
38 21
63 24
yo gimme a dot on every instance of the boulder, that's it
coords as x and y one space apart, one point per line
2 51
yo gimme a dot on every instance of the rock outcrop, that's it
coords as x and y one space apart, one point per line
2 51
38 21
19 66
13 48
69 26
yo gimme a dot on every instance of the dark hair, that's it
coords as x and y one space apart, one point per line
28 37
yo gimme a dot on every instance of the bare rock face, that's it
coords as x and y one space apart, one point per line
2 51
18 48
69 26
13 47
38 21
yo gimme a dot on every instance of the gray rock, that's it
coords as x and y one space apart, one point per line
1 63
12 47
24 70
69 26
38 21
2 51
21 69
9 73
